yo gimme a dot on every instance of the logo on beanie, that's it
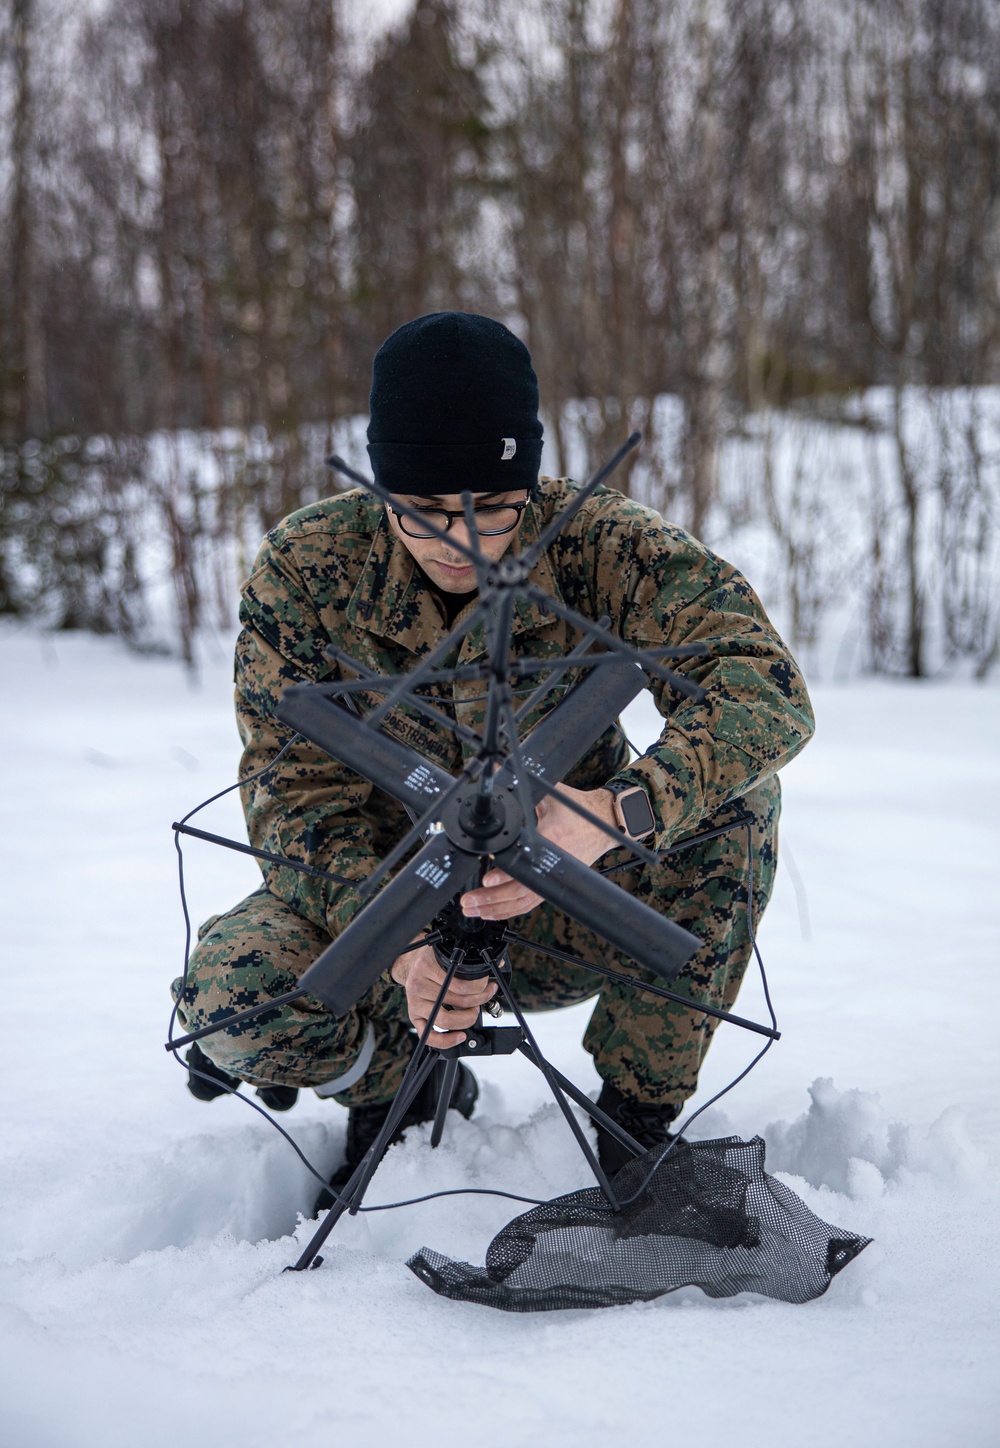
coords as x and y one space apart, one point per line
509 449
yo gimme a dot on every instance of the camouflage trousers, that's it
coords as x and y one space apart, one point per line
650 1049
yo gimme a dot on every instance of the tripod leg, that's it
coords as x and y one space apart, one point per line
553 1085
448 1078
421 1065
582 1100
418 1068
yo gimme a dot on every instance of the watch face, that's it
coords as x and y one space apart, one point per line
637 812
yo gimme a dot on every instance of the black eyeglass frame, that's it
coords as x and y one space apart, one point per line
451 514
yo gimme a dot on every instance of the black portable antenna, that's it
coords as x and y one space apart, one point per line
483 817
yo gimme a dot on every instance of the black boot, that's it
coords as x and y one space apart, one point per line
277 1098
207 1090
646 1122
365 1122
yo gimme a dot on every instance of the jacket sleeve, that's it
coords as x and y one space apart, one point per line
308 806
666 589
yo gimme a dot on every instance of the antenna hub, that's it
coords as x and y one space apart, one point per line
483 826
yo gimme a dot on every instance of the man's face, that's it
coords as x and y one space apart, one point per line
444 565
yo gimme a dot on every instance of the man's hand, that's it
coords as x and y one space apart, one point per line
499 897
422 977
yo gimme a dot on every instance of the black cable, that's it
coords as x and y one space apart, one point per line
180 875
637 752
679 1137
250 779
235 1091
244 849
687 843
455 1192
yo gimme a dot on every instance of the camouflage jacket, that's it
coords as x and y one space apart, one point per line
334 572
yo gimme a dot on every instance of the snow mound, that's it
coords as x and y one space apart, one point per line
846 1142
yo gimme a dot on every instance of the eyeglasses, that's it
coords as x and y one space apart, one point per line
491 519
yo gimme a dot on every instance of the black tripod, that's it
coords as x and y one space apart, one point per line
466 958
484 817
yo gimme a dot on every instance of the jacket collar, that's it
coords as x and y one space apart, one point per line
393 601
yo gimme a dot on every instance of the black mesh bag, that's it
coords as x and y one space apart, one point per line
710 1217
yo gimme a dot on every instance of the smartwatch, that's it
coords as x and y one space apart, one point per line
633 810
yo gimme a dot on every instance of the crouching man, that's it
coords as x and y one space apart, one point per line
454 407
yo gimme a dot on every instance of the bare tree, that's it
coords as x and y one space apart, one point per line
22 394
419 160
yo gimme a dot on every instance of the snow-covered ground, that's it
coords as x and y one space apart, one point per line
144 1233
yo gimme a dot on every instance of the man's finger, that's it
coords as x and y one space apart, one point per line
496 877
493 884
498 894
440 1040
512 910
509 911
484 900
455 1020
502 903
468 1000
457 1013
470 990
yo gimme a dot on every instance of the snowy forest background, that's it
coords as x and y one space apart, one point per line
767 232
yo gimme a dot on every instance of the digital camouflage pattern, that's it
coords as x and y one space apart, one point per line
335 573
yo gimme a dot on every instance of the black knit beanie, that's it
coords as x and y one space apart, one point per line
454 406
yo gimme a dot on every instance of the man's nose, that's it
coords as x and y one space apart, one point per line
459 532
